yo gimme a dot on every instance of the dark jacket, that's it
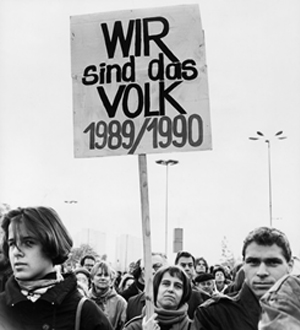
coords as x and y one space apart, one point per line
56 309
134 289
240 312
135 305
5 273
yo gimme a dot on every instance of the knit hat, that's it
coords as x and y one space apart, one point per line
203 277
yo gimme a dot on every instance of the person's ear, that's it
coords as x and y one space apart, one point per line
291 265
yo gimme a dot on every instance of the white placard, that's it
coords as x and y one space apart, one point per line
139 82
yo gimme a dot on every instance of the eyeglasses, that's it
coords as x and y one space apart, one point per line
206 283
156 266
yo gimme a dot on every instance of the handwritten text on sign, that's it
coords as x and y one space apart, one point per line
139 82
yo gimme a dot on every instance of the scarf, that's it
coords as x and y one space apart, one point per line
34 289
173 319
101 298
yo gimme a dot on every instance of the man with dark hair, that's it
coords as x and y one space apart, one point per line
267 257
88 261
187 262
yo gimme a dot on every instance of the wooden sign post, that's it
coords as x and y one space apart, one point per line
146 234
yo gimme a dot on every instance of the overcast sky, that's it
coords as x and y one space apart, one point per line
252 52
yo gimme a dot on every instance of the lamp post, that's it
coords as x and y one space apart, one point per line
167 163
267 140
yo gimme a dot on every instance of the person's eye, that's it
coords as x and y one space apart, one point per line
29 243
253 263
11 243
273 263
178 286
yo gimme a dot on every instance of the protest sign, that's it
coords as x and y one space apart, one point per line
139 82
140 86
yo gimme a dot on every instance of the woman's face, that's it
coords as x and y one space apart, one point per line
27 259
102 279
170 292
201 267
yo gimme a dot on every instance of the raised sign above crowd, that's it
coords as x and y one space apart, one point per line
139 82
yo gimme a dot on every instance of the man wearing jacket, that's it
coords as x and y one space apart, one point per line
267 257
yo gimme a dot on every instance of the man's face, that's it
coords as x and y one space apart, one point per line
263 266
206 286
201 267
219 276
157 262
88 264
188 265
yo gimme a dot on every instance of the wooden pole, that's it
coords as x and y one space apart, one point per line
146 235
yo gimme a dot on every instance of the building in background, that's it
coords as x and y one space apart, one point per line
93 238
128 249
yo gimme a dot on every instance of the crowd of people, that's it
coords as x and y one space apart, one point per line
39 289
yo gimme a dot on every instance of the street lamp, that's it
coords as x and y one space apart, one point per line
260 136
167 163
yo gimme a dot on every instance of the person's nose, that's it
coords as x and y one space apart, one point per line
16 251
262 270
171 288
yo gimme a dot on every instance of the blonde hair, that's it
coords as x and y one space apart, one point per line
105 267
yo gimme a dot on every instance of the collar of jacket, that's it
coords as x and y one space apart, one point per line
249 300
103 297
54 295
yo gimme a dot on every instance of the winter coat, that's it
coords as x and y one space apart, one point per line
281 305
222 312
55 309
167 319
5 273
135 288
135 304
113 306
